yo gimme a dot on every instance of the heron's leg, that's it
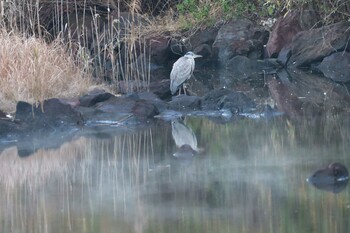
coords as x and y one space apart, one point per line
183 86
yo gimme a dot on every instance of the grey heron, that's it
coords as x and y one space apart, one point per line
182 70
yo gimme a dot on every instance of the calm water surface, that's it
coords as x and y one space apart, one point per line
243 176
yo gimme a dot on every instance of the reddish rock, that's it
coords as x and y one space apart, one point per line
286 28
313 45
285 98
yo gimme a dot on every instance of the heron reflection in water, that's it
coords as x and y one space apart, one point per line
184 139
182 71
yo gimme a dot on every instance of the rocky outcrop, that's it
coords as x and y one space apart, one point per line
313 45
286 27
336 67
240 37
51 114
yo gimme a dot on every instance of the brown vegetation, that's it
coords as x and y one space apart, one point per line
32 70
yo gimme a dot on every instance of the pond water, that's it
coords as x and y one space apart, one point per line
244 176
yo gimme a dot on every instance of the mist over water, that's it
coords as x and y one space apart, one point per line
244 176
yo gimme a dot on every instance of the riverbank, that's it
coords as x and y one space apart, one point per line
299 69
65 50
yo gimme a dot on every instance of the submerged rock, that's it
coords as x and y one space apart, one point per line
332 178
234 101
286 100
299 93
241 67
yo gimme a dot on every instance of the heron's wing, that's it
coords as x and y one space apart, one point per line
182 70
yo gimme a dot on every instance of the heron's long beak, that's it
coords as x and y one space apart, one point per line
197 55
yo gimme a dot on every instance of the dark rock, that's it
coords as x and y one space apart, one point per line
47 126
117 105
240 37
202 41
218 99
8 130
336 67
185 103
284 55
313 45
52 113
180 46
153 99
2 114
94 97
143 109
286 27
332 178
204 50
119 110
160 50
206 36
161 88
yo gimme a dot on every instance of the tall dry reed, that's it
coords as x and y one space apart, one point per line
32 70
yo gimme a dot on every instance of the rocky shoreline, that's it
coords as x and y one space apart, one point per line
303 69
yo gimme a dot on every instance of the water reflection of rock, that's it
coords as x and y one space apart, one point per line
185 140
333 178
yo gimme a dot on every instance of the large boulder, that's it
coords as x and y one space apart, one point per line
159 49
286 27
47 125
129 109
52 114
185 103
336 67
203 40
94 97
313 45
240 37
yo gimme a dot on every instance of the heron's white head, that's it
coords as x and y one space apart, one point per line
192 55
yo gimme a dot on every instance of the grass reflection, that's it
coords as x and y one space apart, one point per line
251 178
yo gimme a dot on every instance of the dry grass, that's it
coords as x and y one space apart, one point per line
32 71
